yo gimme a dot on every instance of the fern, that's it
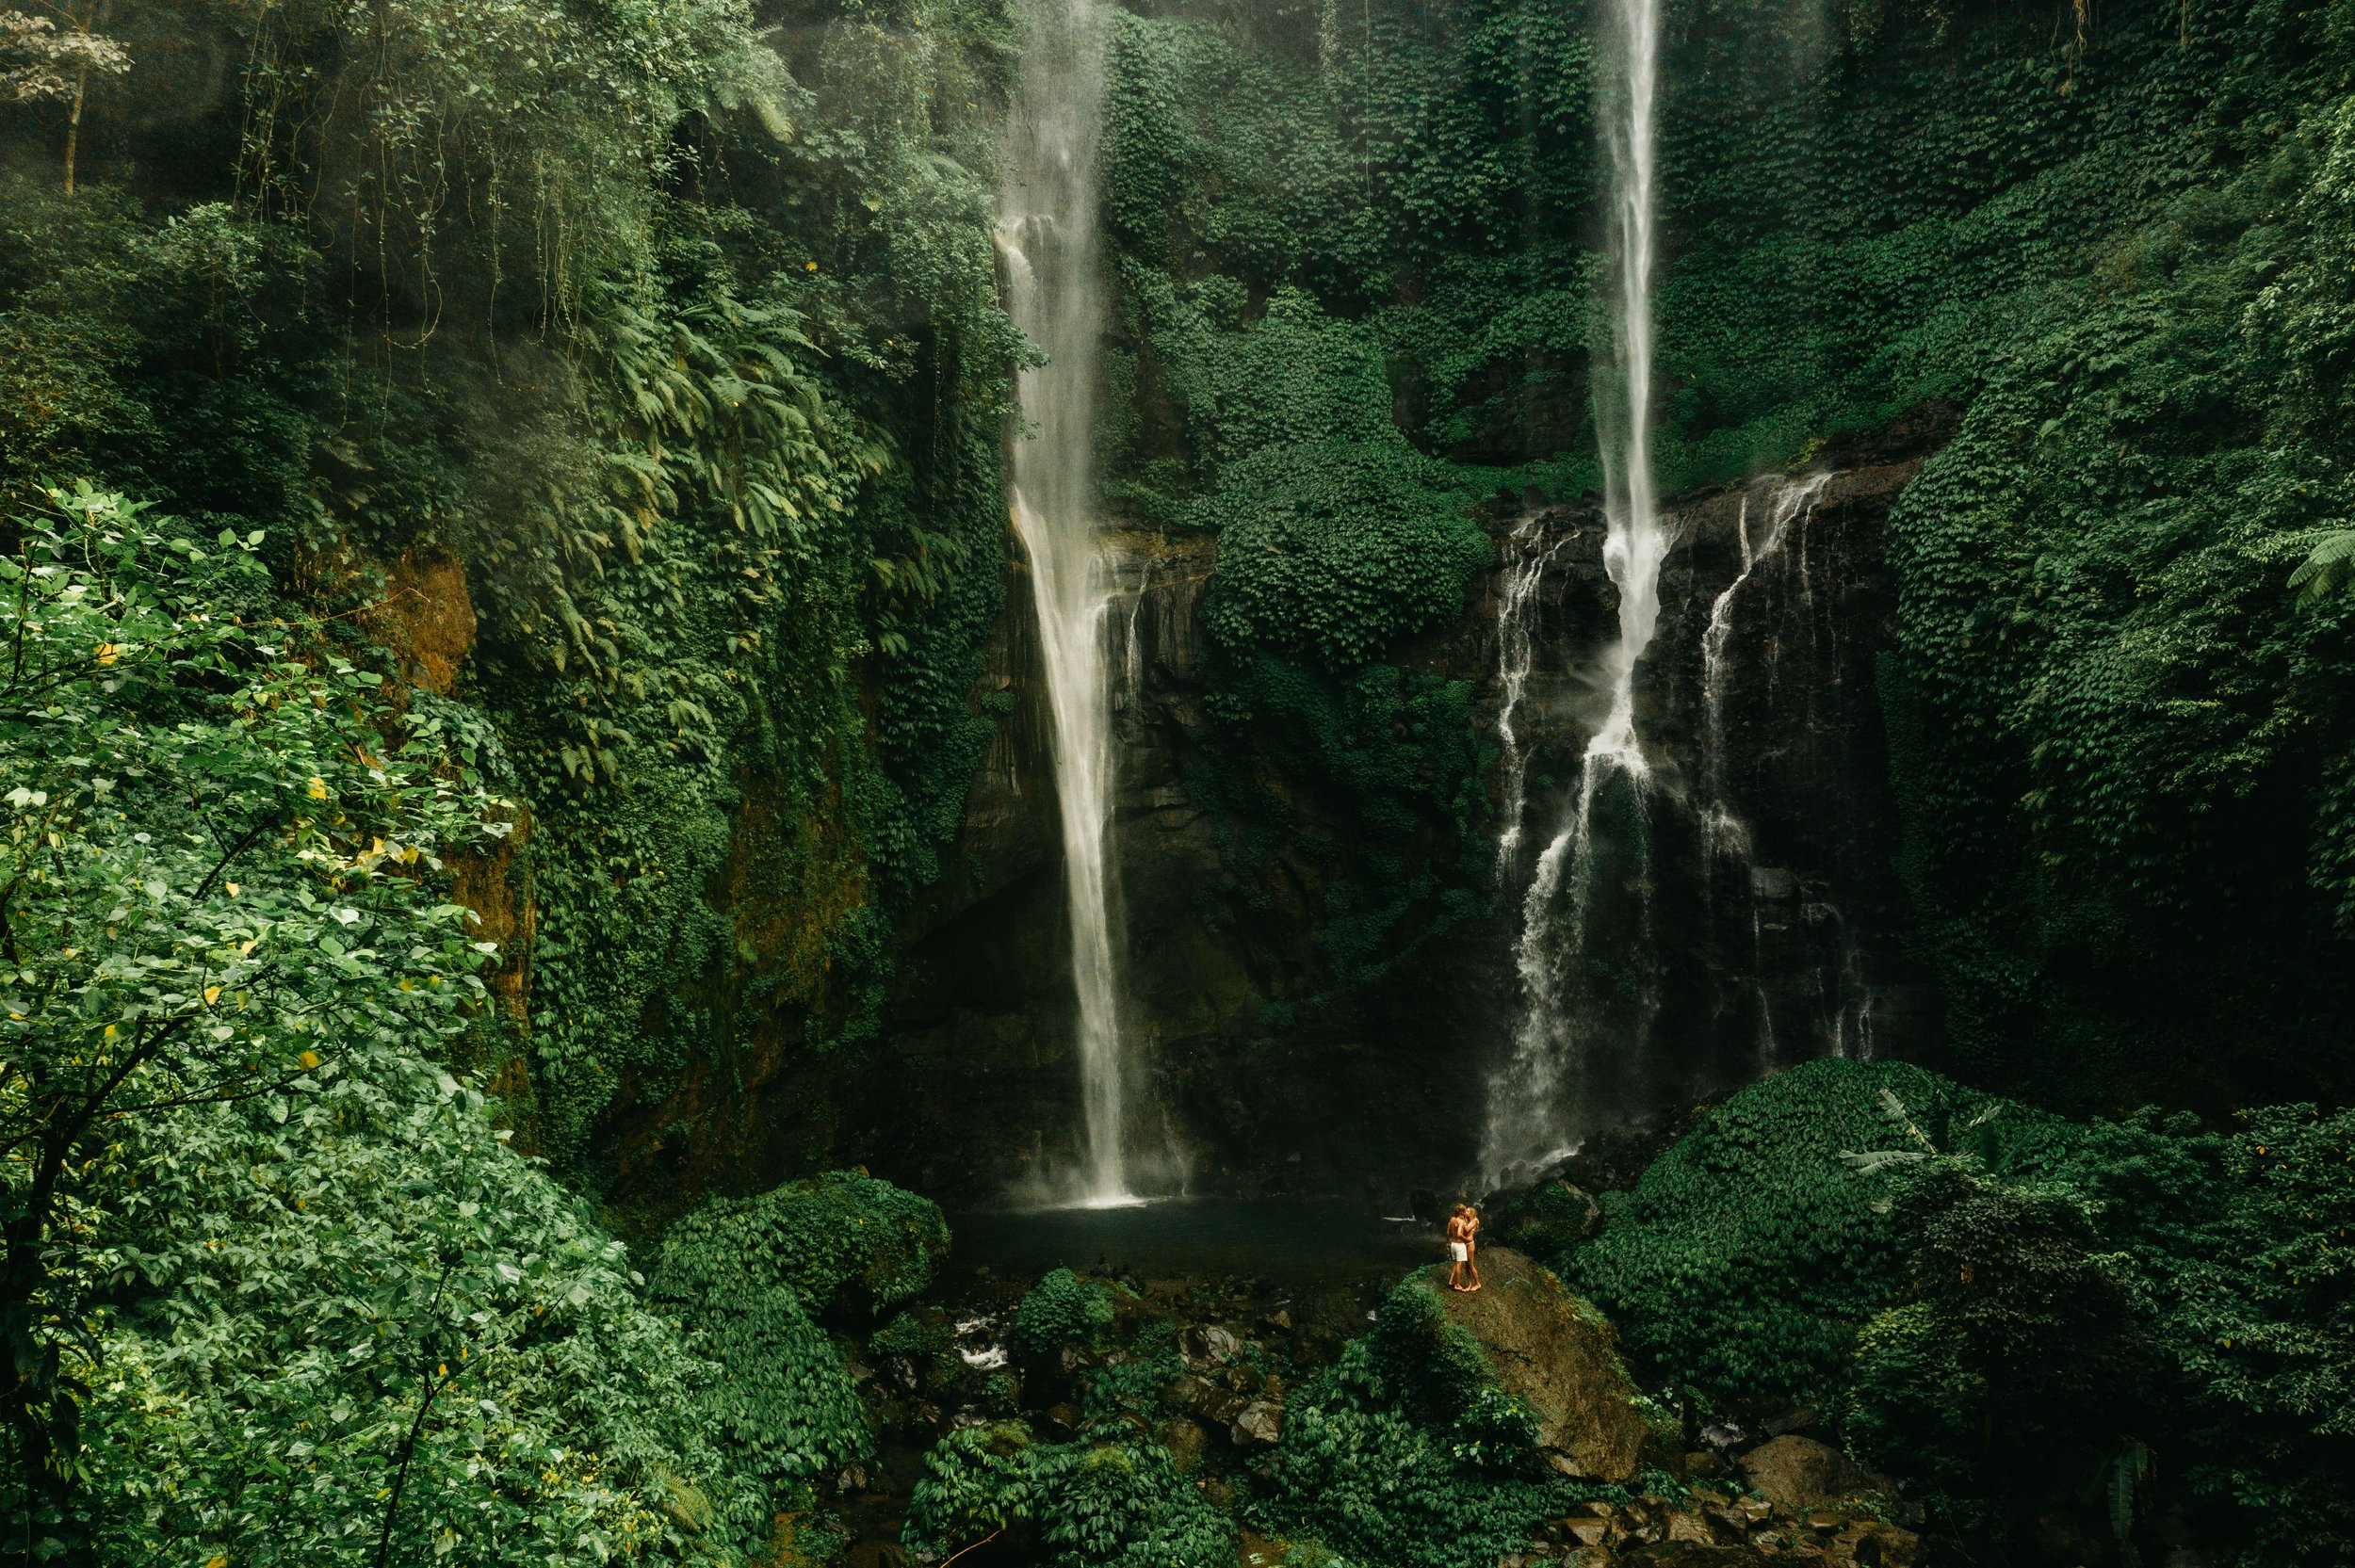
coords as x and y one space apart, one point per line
2327 568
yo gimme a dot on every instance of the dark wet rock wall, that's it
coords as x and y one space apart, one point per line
1272 1075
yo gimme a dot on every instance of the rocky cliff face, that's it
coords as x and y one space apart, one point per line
1775 912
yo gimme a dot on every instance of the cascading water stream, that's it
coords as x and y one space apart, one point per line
1049 232
1517 660
1788 502
1725 836
1529 1123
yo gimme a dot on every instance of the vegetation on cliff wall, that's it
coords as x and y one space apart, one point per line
1358 280
683 347
597 414
1272 181
2121 753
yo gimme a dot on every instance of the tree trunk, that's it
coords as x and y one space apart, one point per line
74 126
81 90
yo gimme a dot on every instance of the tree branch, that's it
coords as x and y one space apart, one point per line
234 850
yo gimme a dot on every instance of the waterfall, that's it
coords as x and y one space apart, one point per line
1530 1122
1725 836
1048 234
1516 659
1788 502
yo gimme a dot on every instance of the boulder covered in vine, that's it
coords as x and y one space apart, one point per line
1557 1355
843 1238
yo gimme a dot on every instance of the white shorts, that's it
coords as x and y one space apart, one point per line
1460 1252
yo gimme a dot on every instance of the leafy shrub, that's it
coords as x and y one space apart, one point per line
1402 1454
747 1277
1124 1505
1337 552
2025 1340
2007 1297
841 1237
1085 1504
275 1288
2258 1326
977 1482
1913 1409
1062 1309
439 1313
1748 1256
785 1404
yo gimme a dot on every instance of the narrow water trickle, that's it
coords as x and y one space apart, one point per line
1532 1120
1787 502
1530 554
1785 505
1048 232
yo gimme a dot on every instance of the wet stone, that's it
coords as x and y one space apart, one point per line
1260 1422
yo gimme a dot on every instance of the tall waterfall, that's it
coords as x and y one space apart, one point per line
1529 1122
1049 232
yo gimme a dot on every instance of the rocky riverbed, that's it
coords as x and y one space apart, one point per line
1204 1366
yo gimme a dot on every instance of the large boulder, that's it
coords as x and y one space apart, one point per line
1794 1471
1555 1353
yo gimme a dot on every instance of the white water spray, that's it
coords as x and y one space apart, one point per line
1530 1124
1635 543
1048 230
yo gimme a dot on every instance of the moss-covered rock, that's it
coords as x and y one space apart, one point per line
1557 1355
843 1237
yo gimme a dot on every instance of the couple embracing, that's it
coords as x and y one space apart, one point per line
1463 1231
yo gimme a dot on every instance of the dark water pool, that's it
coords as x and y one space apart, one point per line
1268 1238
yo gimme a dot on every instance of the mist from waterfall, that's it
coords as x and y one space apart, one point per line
1530 1122
1048 232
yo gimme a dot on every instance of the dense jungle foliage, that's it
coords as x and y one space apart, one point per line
271 1269
503 508
2004 1305
632 377
504 505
